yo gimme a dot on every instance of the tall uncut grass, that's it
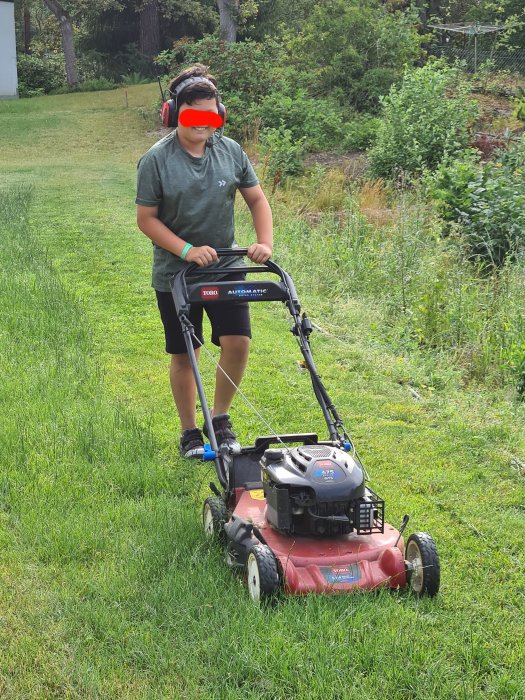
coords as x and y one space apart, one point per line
425 297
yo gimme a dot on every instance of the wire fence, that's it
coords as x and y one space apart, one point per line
473 57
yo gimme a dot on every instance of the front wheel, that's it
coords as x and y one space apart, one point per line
262 572
214 515
423 571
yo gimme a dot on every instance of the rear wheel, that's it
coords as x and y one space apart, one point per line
262 572
423 571
214 515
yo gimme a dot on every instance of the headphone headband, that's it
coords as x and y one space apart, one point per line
190 81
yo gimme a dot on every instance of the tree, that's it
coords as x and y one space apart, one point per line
66 29
150 44
228 14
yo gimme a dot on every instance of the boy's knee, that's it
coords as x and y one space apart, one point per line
180 362
238 345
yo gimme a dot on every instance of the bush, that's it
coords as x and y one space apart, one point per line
361 132
318 122
374 85
96 84
283 155
39 76
488 203
87 86
425 118
134 78
343 40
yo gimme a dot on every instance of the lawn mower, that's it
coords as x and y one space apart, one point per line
294 512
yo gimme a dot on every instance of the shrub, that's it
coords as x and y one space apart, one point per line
134 78
519 104
374 85
283 155
318 122
96 84
424 118
360 133
488 203
87 86
343 40
38 75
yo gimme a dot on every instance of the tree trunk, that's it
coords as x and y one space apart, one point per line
150 29
435 7
66 29
27 30
228 12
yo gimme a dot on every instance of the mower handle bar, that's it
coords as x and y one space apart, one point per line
228 253
180 283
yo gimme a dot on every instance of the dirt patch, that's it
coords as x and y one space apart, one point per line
353 164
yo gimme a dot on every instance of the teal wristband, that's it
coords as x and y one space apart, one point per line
185 250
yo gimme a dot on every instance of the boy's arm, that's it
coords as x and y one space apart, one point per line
262 220
150 224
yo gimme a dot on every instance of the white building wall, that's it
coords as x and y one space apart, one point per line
8 77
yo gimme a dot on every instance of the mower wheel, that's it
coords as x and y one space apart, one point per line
262 572
423 570
214 515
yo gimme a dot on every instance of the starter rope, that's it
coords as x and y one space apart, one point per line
241 393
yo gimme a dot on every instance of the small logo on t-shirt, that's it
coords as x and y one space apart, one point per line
222 183
209 292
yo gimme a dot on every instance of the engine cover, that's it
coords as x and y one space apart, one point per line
318 490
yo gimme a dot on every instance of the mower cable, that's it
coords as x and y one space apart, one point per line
241 394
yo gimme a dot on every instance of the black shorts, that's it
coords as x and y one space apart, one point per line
230 318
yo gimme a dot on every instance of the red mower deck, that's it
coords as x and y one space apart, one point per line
329 564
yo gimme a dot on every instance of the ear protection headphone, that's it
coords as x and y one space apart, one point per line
169 112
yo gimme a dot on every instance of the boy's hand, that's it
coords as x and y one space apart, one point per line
202 255
259 252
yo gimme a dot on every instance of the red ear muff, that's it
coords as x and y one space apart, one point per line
167 113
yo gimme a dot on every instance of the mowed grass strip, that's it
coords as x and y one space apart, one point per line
111 590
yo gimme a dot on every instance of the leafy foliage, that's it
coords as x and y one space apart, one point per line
519 104
343 40
37 76
242 68
282 154
488 203
360 132
318 122
424 118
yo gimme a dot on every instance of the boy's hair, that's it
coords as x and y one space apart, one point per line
195 91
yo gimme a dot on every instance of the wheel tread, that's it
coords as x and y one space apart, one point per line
430 559
219 513
268 572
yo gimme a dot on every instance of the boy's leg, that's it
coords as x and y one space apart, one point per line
184 389
234 357
181 375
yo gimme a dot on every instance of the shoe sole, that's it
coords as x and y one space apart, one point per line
194 453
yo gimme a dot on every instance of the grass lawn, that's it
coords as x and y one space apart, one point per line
108 588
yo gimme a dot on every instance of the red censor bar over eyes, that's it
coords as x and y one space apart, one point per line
196 117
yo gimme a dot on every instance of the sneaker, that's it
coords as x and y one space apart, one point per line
191 443
224 434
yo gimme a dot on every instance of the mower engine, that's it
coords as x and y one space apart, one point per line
319 490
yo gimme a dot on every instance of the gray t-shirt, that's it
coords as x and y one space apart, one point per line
195 197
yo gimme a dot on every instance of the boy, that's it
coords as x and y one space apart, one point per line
185 200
